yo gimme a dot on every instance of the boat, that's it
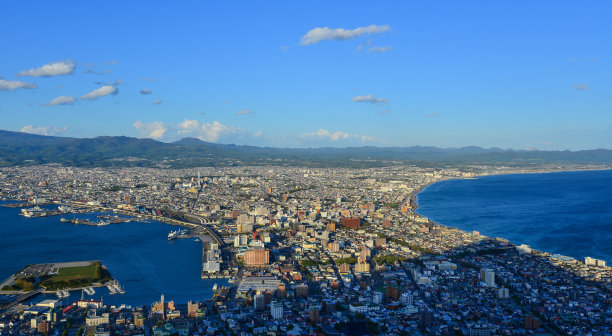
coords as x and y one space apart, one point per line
33 212
64 208
64 220
172 235
177 233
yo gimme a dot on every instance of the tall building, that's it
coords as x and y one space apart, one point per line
257 257
276 310
313 314
301 290
406 299
392 293
351 223
192 309
259 301
487 276
162 307
594 262
531 322
503 293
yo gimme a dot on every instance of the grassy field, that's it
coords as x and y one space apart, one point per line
67 273
74 277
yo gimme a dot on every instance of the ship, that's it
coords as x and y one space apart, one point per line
64 209
33 212
65 220
178 233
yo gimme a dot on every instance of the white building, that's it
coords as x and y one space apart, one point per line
594 262
276 309
487 276
406 299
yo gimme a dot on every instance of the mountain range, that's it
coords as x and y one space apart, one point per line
17 148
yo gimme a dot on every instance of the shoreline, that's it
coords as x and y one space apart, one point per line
414 197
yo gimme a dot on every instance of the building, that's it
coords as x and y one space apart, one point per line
392 293
163 308
257 257
43 327
480 330
192 309
259 301
594 262
351 222
503 293
377 297
313 314
241 240
301 290
531 323
331 227
362 267
406 299
276 310
487 276
95 320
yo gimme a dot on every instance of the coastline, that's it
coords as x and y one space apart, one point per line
414 205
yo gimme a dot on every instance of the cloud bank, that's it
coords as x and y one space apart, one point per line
340 34
52 69
153 130
369 99
335 136
43 130
580 87
101 92
8 85
380 50
61 100
207 131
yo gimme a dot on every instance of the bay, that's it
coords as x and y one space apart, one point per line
568 213
137 254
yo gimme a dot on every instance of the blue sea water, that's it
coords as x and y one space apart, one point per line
569 213
137 254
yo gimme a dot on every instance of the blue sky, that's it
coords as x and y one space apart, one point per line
510 74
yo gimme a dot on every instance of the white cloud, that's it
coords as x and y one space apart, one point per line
433 115
385 111
12 85
158 101
145 91
379 50
153 130
340 34
244 112
335 136
101 92
207 131
364 44
370 99
43 130
61 100
580 87
52 69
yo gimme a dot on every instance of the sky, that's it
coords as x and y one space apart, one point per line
508 74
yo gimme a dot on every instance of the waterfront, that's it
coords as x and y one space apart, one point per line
137 254
567 212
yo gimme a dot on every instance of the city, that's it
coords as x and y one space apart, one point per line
308 251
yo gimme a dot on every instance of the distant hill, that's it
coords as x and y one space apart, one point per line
18 148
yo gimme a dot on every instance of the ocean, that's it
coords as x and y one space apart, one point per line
137 254
569 213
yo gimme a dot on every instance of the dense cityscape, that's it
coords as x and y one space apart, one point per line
305 251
